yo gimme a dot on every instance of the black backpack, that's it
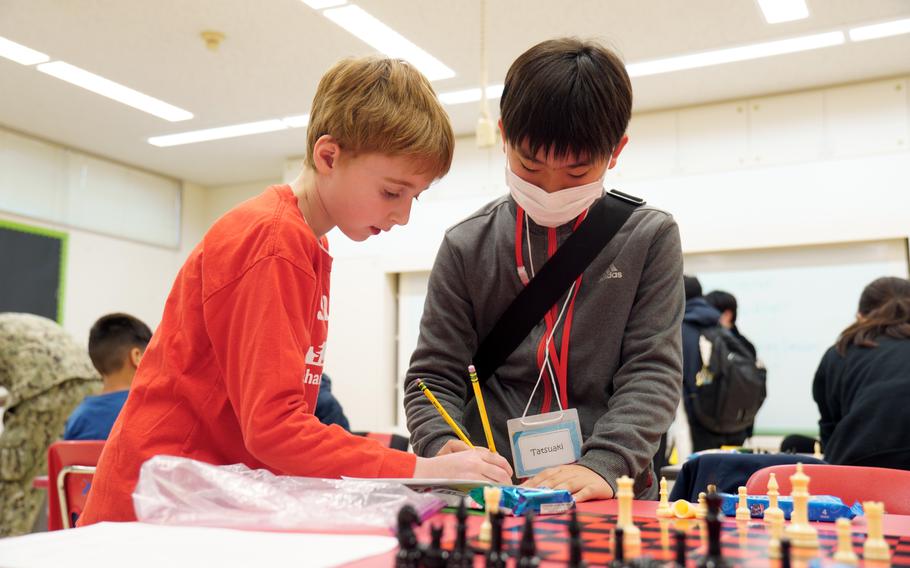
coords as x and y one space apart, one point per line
730 387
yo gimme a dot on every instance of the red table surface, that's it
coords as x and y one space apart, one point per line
898 525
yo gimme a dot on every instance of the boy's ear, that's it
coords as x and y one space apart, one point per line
617 151
503 134
135 357
325 153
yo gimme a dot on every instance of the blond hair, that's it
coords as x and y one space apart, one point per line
376 104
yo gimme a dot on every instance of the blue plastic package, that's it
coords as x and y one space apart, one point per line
517 501
825 508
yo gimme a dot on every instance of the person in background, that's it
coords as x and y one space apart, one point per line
725 303
862 385
116 343
328 409
46 374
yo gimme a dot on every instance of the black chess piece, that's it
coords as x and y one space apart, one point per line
785 553
462 555
496 556
680 542
619 555
714 558
575 542
409 554
435 556
527 549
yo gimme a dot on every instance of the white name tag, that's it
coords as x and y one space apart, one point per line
544 440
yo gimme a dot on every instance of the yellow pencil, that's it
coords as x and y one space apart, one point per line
482 408
445 415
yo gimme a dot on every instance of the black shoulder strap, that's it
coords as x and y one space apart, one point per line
604 220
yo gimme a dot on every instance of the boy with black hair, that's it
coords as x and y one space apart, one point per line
116 343
565 108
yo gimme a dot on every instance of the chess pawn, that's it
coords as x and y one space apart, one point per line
776 528
801 534
742 509
663 507
773 511
701 511
486 528
875 548
844 553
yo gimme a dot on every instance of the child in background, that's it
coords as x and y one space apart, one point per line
233 371
116 343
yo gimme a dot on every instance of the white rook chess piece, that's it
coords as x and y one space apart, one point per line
875 547
801 533
844 553
663 507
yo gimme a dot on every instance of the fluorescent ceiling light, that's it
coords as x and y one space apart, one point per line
777 11
885 29
320 4
218 133
299 121
733 54
383 38
115 91
469 95
20 54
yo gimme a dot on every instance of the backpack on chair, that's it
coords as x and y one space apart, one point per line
730 387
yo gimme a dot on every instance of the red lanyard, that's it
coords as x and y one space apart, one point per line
559 361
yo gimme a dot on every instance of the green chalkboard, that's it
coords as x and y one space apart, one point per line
32 270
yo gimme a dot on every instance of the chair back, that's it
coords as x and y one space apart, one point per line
849 482
70 466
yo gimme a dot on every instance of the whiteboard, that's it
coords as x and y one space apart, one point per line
793 302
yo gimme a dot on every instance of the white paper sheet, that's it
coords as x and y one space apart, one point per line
141 545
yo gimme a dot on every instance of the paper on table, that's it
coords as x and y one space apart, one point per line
142 545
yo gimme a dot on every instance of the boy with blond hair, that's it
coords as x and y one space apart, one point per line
233 371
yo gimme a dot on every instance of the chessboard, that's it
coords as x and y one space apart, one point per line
743 543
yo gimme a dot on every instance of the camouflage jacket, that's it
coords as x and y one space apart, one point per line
36 354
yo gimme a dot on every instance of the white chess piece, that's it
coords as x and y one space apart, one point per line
844 553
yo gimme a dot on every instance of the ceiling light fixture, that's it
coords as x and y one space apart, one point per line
20 54
298 121
884 29
733 54
320 4
469 95
777 11
219 133
368 29
107 88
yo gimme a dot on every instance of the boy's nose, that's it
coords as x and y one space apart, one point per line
401 215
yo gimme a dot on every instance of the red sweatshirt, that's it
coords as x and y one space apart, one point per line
232 373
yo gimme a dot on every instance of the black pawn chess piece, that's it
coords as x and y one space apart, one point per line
619 556
785 553
462 555
680 542
435 556
408 555
496 556
527 549
575 542
714 558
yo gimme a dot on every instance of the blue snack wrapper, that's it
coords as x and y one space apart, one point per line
517 501
824 508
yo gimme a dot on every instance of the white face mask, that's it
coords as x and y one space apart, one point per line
553 209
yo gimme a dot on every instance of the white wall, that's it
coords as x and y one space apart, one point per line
107 274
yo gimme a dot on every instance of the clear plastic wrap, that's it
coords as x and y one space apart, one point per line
181 491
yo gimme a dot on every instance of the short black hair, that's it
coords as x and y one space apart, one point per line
111 339
567 96
692 286
723 301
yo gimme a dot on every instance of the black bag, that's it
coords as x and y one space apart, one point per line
730 388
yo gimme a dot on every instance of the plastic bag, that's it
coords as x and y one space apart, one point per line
181 491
